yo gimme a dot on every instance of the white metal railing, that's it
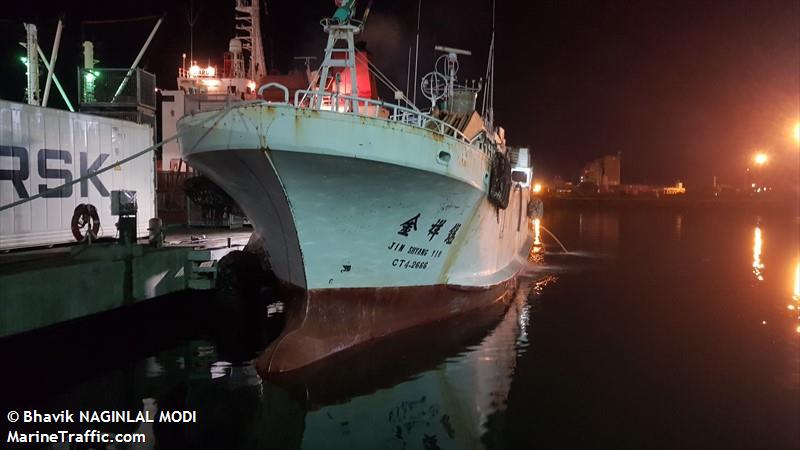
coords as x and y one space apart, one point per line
327 22
331 101
277 86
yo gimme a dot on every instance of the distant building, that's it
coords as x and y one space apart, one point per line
603 172
593 172
678 189
651 189
561 186
611 170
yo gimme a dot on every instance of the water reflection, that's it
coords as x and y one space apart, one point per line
524 307
758 265
795 305
600 229
431 387
451 379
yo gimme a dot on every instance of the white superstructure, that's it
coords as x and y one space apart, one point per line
210 87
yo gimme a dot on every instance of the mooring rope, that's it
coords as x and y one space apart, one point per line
86 177
554 237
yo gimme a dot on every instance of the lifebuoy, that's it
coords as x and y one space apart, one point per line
500 180
85 222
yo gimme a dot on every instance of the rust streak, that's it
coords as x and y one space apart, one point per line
458 243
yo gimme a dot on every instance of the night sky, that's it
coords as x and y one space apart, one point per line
683 89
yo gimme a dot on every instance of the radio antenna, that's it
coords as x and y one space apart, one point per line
487 109
416 52
191 19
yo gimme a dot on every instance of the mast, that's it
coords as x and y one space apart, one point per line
32 63
490 108
487 108
416 53
339 54
248 23
191 18
52 65
408 72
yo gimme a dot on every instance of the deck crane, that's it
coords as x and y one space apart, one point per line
345 10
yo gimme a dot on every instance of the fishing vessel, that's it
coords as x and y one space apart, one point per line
384 215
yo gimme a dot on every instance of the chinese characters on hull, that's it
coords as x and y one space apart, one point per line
435 228
409 225
451 235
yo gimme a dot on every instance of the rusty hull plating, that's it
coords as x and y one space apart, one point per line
324 322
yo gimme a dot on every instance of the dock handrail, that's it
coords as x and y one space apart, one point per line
303 98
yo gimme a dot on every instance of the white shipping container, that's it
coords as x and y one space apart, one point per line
42 148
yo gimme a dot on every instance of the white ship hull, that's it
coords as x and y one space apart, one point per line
363 208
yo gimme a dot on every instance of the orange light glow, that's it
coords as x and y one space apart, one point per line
796 293
758 266
196 71
760 158
252 85
535 253
537 188
796 132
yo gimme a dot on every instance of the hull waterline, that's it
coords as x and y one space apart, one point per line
328 321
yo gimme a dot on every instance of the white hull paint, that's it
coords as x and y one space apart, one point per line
391 205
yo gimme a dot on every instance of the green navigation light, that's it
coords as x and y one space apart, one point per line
91 76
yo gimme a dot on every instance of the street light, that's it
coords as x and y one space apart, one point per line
797 132
760 158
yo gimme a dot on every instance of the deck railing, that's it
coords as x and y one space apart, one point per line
331 101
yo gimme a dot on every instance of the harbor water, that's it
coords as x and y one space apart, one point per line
658 329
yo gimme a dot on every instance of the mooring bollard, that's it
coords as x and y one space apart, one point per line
156 232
